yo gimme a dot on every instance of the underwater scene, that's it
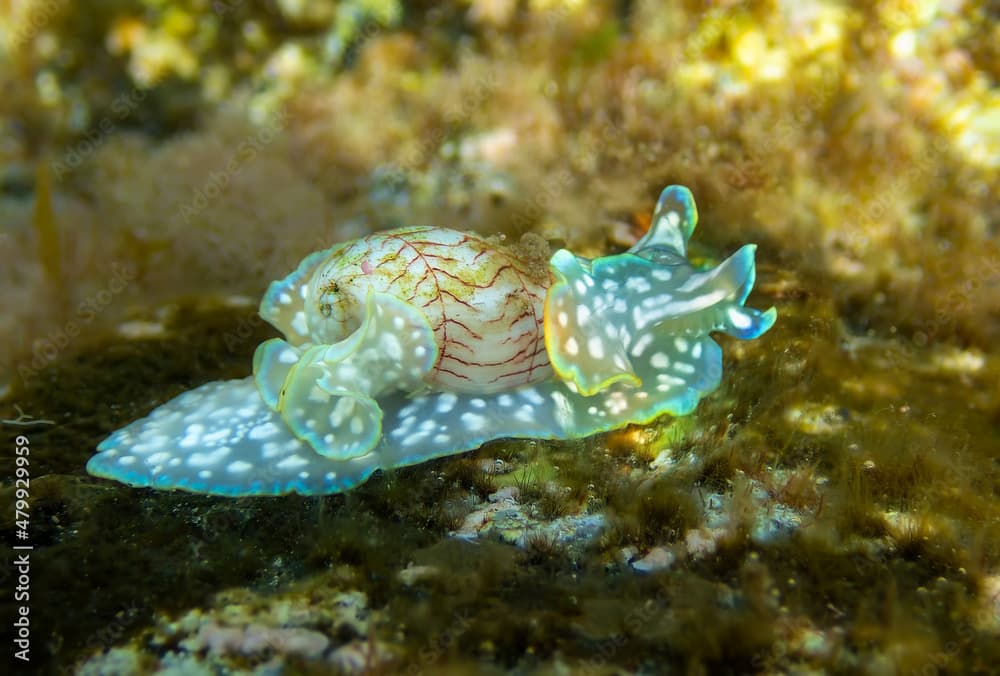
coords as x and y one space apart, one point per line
500 337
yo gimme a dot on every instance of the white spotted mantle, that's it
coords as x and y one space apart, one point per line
627 337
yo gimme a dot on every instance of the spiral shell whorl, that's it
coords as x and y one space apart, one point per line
483 303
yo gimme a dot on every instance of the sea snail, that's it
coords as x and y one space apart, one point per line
423 342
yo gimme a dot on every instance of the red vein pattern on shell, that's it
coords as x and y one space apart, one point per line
483 303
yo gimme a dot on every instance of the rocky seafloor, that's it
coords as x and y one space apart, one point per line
834 507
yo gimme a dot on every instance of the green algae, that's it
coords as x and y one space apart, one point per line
878 583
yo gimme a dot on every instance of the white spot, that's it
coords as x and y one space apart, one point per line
659 360
581 287
343 408
330 476
596 347
531 394
398 323
318 395
205 474
347 372
641 344
616 403
662 274
638 284
619 306
609 284
328 439
420 351
291 462
739 320
218 435
477 403
673 218
525 414
441 439
303 475
157 458
639 317
238 467
669 381
473 421
265 431
174 462
221 413
247 411
681 344
682 367
284 299
563 410
270 449
563 319
391 347
303 291
208 459
446 402
505 400
696 351
299 323
126 460
288 356
572 347
582 314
